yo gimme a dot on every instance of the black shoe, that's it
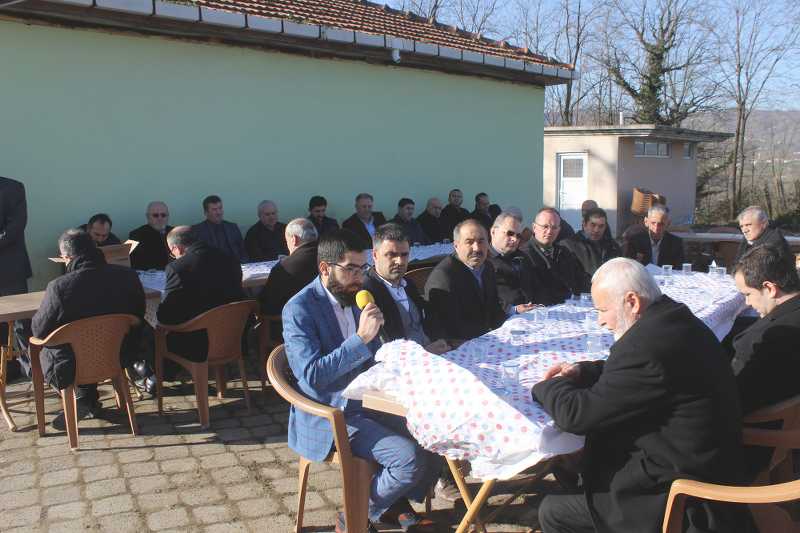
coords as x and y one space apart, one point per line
147 385
83 410
142 369
340 525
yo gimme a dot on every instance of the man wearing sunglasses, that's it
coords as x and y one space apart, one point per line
152 251
329 342
513 269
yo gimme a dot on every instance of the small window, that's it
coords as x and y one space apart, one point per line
651 149
572 168
688 150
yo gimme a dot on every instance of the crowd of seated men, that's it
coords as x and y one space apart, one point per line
667 403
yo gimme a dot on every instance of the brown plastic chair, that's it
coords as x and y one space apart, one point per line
356 473
787 413
266 325
419 276
768 518
96 343
224 325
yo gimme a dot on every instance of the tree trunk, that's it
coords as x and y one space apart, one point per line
737 139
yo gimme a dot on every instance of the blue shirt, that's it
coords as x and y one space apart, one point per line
478 273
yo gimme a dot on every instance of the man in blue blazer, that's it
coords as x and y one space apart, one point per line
220 233
328 343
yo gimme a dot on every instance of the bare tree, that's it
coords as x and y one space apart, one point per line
478 16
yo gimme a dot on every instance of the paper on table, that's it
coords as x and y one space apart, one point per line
112 251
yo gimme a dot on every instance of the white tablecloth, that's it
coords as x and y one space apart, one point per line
459 405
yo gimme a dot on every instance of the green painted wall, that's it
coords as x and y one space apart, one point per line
92 121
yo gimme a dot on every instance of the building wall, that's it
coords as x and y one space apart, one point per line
95 121
602 169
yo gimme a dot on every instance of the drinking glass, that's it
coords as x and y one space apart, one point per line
594 342
586 299
686 268
667 270
510 372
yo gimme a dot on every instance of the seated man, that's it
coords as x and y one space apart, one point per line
655 244
405 219
99 229
754 223
201 278
431 221
265 239
481 212
90 287
220 233
398 299
558 271
652 412
590 245
516 283
462 290
364 221
317 207
328 343
294 272
453 214
152 252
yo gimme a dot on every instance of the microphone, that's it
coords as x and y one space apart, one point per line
364 297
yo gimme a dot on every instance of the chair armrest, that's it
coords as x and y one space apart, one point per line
36 341
770 413
781 492
198 323
771 438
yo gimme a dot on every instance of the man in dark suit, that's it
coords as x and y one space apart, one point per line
265 240
590 245
663 406
220 233
398 299
514 270
558 271
431 222
462 290
453 214
654 244
754 223
317 207
99 228
405 218
152 252
364 221
90 287
201 278
15 266
294 272
481 212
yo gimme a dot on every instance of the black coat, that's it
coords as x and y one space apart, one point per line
516 282
204 278
558 278
288 277
229 242
152 251
414 231
393 324
484 218
458 308
355 225
325 226
91 287
770 237
565 232
15 266
111 240
451 217
591 254
670 252
663 406
264 244
433 227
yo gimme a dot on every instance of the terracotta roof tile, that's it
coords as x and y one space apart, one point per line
379 19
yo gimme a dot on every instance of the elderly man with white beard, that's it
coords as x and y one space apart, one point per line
663 406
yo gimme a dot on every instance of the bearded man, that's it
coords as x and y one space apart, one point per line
328 343
663 406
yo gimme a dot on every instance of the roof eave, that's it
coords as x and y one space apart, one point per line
650 131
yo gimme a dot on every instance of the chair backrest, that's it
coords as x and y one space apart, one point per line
419 276
96 343
224 325
282 379
788 413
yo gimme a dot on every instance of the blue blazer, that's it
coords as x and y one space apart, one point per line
323 362
233 235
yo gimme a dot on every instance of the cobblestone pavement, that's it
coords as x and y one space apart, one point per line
237 476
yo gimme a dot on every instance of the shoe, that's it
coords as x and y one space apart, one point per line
83 411
147 385
142 369
446 489
340 525
403 515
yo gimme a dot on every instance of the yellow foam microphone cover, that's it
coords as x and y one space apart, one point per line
364 297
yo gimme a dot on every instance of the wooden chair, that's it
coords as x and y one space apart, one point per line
768 518
356 473
419 276
787 413
96 342
224 325
266 343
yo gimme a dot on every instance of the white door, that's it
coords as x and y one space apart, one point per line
573 186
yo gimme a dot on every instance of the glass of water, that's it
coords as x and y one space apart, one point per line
586 299
594 342
667 270
686 268
510 373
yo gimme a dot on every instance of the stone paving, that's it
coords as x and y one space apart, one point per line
237 476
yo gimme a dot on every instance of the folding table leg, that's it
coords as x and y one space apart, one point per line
475 507
461 483
6 353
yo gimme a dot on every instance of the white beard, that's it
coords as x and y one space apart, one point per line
626 322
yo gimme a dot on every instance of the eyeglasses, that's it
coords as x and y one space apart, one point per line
511 233
353 270
159 215
547 226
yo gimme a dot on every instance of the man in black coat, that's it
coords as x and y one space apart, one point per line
152 252
265 240
317 207
431 222
15 266
557 270
453 214
99 229
201 278
462 290
481 212
514 271
405 219
754 223
218 232
591 245
663 406
364 221
653 243
90 287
